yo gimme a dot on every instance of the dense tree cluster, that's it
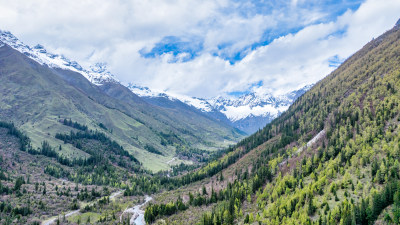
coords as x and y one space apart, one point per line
142 185
152 149
13 211
155 210
85 195
12 130
56 171
194 154
78 139
4 189
170 139
75 125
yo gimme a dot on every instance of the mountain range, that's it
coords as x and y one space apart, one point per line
248 112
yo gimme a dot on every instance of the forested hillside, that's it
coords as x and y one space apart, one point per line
332 158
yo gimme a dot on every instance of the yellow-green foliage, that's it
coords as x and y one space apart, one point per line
359 106
353 171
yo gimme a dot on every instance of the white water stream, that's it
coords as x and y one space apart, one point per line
137 213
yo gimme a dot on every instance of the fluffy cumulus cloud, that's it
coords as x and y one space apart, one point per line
208 47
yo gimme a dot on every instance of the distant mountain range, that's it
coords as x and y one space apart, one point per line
248 112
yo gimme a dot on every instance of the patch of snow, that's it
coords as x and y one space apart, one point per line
198 103
143 91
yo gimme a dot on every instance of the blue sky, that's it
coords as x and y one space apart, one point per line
204 48
321 11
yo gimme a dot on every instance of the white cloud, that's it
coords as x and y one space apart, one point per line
91 31
237 31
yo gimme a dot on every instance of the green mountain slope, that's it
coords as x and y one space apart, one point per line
37 99
332 158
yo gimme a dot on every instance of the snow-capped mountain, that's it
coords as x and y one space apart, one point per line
255 104
97 74
248 112
253 111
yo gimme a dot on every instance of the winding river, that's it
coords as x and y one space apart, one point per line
137 213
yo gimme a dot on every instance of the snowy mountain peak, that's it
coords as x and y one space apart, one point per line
256 104
98 74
